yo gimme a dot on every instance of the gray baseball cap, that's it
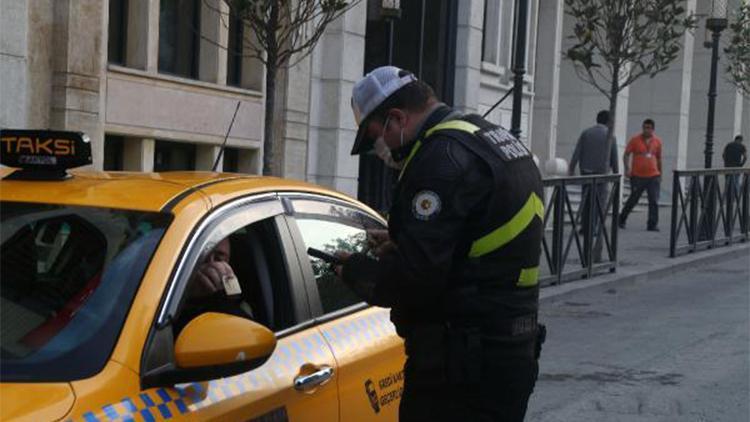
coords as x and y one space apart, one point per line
369 93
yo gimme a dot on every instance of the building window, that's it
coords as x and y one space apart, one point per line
231 162
113 152
243 70
235 50
179 36
497 34
491 34
118 23
531 27
170 156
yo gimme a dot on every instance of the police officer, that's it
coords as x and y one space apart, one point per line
460 263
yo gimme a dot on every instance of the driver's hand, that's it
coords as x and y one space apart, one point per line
207 278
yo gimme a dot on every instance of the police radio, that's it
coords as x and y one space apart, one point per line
324 256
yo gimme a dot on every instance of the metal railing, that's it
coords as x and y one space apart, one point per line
710 207
578 229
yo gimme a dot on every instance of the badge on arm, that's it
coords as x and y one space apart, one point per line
426 205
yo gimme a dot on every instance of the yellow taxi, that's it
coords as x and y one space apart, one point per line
99 321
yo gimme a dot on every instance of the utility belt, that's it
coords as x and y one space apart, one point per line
455 353
511 328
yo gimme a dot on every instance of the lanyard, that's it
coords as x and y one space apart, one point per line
647 145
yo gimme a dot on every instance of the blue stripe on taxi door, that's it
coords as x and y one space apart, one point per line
170 403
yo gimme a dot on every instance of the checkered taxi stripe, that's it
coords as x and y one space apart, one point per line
358 333
170 403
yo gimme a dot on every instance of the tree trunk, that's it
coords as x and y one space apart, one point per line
611 129
614 90
272 54
268 152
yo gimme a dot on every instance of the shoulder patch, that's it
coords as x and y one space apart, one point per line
426 205
505 145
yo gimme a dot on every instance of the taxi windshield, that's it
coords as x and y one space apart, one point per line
68 276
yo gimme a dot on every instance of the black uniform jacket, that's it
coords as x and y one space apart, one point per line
443 202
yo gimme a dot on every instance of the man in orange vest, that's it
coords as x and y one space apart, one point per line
645 173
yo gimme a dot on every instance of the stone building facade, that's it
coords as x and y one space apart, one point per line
154 86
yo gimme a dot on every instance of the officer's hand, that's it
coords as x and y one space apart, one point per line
379 242
384 248
377 236
207 278
343 256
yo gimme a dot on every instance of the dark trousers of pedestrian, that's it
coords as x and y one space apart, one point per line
497 389
637 186
733 186
591 208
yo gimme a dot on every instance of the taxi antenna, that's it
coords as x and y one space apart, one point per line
226 137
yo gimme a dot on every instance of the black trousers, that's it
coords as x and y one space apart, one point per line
499 392
637 186
600 195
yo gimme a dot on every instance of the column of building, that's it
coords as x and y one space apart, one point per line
468 60
547 82
14 64
293 108
51 66
337 63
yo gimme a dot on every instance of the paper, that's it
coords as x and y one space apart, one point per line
231 285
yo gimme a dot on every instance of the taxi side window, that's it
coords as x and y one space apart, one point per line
247 269
50 267
68 275
330 228
56 258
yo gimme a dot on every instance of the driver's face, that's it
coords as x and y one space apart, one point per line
220 253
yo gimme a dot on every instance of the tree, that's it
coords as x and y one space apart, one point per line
281 30
738 52
619 41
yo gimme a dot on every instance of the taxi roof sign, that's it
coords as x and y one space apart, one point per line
43 154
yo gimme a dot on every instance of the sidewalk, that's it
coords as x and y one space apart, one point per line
644 255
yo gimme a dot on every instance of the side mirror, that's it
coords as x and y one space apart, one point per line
213 339
211 346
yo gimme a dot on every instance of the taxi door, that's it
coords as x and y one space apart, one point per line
370 358
369 353
298 382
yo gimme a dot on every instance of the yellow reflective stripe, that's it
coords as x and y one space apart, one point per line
509 230
413 152
453 124
528 277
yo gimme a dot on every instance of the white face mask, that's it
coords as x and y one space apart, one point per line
384 153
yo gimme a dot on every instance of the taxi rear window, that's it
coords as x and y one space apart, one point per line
67 279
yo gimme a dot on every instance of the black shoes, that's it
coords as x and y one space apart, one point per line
621 224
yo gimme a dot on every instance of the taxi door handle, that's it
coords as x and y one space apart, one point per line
308 382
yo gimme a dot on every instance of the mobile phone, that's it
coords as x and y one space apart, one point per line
325 256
